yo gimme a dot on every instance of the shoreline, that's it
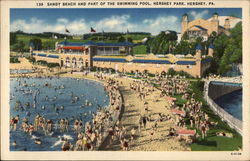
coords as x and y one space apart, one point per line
129 117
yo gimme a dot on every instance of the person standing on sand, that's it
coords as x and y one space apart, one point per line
124 144
144 121
133 131
111 134
151 133
140 123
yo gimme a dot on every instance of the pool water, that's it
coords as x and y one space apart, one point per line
232 103
84 89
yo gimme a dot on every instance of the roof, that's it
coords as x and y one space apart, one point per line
186 62
151 61
44 55
199 27
91 43
233 20
109 59
53 56
74 47
66 43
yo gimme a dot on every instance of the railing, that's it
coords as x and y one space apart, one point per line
225 116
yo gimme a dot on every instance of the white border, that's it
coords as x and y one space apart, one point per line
214 155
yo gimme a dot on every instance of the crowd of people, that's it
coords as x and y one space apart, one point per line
105 123
89 136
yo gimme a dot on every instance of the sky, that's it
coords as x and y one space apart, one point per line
79 21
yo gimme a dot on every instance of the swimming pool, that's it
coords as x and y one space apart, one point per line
232 103
59 93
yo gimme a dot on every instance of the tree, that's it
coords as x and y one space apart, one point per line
228 49
19 47
163 42
36 43
121 39
12 38
130 39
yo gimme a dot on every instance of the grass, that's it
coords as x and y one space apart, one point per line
179 101
137 36
211 142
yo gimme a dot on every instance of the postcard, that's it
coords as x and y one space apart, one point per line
125 80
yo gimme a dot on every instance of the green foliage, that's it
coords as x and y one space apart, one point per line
129 39
42 62
31 59
228 49
140 49
14 60
19 47
163 43
45 63
186 46
213 68
121 39
12 38
172 72
52 65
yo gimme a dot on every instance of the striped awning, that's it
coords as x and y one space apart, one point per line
75 47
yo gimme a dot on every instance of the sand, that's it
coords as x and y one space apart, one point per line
24 64
133 108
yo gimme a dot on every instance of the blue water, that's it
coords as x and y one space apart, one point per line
232 103
84 89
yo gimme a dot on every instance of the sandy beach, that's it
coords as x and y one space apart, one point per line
133 108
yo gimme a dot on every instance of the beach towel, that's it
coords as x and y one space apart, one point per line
186 132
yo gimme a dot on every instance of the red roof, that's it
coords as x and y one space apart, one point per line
75 47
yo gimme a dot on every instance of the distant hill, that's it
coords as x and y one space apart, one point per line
48 39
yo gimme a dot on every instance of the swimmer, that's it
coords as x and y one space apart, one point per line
46 98
14 143
43 107
38 141
62 107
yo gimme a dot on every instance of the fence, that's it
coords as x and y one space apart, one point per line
225 116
